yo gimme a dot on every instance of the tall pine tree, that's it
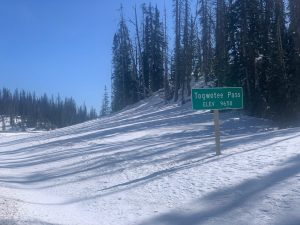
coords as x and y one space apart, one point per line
124 76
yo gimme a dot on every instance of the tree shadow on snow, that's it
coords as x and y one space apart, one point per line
230 199
83 160
115 161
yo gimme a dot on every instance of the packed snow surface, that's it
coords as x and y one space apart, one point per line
152 164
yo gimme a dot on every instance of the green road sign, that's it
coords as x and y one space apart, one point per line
217 98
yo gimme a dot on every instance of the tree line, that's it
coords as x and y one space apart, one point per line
25 109
250 43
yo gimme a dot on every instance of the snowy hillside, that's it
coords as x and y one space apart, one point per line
152 164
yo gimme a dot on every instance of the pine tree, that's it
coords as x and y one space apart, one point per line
92 114
293 65
177 49
142 84
166 60
244 50
153 50
277 81
206 23
105 104
157 52
188 52
124 75
221 53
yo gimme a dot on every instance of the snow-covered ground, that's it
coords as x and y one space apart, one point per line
152 164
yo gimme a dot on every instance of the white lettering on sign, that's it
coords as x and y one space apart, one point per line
209 96
226 103
219 98
233 95
208 104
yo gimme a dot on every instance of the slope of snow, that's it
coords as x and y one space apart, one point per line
152 164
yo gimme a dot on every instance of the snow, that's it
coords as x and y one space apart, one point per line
152 164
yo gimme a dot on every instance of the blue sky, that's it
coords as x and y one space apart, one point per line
61 46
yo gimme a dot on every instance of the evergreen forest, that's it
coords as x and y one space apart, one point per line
254 44
25 109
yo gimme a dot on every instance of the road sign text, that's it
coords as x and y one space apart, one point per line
217 98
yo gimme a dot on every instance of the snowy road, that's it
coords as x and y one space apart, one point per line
153 165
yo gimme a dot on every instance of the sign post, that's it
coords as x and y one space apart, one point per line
217 99
217 132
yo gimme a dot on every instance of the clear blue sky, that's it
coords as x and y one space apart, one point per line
61 46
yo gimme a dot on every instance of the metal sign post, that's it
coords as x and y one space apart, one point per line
217 99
